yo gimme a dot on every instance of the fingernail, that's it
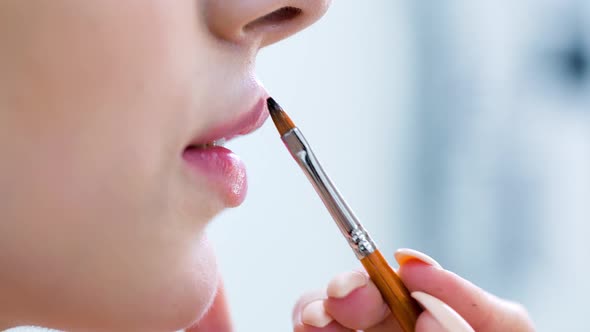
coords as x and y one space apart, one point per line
315 314
445 315
402 256
346 283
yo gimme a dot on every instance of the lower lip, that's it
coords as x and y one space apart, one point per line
224 169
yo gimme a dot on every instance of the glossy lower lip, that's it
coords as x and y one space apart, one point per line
224 169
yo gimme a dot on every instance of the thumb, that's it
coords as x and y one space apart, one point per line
482 310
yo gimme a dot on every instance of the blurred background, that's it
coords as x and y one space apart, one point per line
458 128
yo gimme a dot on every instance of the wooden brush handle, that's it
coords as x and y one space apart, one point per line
403 307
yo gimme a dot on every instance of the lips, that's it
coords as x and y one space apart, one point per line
242 125
224 170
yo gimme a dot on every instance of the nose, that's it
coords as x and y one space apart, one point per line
261 22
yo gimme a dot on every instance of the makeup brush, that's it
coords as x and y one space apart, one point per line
403 307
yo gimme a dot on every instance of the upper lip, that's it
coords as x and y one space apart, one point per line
243 124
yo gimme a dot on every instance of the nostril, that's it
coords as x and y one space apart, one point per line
277 17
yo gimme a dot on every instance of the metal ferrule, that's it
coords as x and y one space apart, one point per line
357 237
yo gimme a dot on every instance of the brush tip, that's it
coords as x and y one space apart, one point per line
273 106
279 117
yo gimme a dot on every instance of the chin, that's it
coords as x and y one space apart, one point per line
185 296
181 312
166 294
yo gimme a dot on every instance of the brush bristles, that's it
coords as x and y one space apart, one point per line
279 117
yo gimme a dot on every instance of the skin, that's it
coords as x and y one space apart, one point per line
364 309
101 222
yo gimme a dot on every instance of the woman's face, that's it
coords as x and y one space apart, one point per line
103 205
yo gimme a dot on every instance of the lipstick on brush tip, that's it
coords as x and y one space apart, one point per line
403 307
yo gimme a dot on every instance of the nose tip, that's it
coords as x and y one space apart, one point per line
262 22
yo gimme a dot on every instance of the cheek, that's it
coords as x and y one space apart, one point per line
139 280
110 225
92 194
120 250
99 113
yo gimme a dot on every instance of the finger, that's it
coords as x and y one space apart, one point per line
355 302
483 311
427 323
309 315
445 316
389 324
332 327
304 301
430 320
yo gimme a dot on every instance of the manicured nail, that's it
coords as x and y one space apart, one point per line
445 315
314 314
346 283
402 256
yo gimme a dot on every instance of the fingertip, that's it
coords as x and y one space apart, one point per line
444 315
345 283
361 309
405 255
315 314
303 301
